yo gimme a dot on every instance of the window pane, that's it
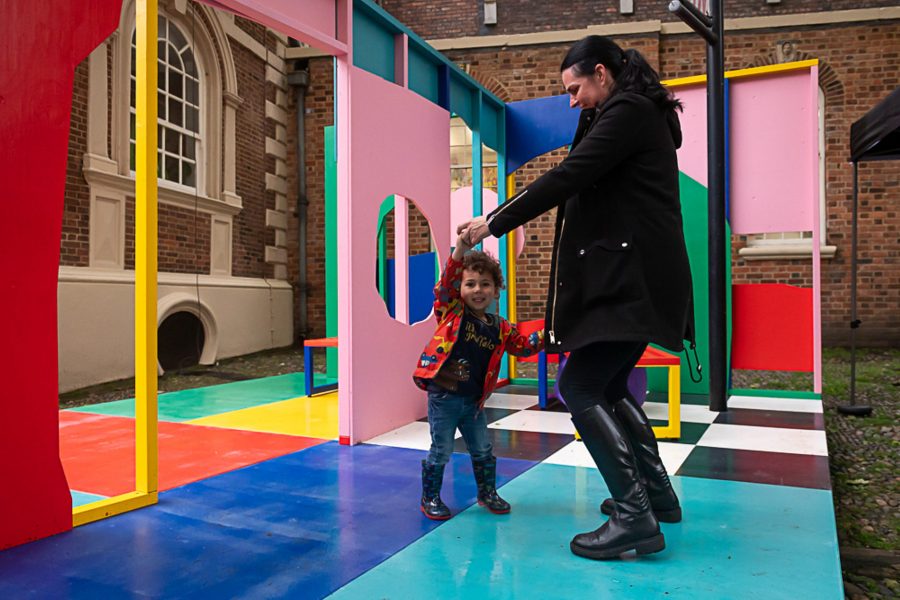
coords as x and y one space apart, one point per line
133 98
176 84
174 117
171 141
189 147
189 66
192 92
161 51
161 106
176 38
191 118
161 75
171 168
188 174
175 60
131 127
131 152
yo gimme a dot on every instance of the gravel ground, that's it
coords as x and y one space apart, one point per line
864 450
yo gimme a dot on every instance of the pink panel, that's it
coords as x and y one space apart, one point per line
692 154
401 267
399 143
772 137
461 210
311 21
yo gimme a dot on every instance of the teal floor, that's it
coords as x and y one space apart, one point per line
735 537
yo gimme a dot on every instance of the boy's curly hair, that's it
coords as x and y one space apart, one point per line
484 263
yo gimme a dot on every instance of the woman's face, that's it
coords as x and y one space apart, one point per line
587 91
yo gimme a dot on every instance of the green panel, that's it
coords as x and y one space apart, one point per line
386 207
776 394
331 294
423 75
694 210
461 101
374 46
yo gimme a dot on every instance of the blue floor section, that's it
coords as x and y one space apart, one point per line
299 526
738 540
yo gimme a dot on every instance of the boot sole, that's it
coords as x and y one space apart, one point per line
647 546
433 518
663 516
496 512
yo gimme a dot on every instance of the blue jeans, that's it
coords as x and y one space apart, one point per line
446 413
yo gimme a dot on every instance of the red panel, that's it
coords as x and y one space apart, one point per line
98 451
41 43
654 357
772 327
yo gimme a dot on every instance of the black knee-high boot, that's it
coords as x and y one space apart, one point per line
486 478
637 428
432 480
632 526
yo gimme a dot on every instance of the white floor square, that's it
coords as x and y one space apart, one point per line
416 435
511 401
536 420
765 439
575 454
691 413
786 404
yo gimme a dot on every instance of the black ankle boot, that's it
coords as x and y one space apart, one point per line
432 505
486 478
637 428
632 526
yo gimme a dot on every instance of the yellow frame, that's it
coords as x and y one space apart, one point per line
145 270
752 71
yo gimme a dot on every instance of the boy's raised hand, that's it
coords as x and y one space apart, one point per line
462 246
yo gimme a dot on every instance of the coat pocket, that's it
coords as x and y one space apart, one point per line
610 273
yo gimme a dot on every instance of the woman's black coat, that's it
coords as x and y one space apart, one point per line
620 269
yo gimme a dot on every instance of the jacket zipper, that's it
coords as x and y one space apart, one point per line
506 205
552 333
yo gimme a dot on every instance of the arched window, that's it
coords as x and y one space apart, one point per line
178 105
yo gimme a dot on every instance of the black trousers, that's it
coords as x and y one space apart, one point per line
597 374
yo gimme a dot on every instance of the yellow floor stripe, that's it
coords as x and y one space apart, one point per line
315 417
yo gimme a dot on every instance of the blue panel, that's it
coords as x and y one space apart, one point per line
421 286
299 526
535 127
423 75
391 283
737 540
374 46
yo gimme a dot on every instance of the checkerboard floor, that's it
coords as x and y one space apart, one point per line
776 441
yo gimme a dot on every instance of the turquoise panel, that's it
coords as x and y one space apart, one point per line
374 46
331 262
82 498
738 540
423 75
213 400
491 126
461 102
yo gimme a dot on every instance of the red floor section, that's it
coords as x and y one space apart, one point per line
97 451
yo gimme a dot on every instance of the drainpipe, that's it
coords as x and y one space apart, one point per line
299 80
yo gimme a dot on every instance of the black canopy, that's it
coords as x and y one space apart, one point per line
876 136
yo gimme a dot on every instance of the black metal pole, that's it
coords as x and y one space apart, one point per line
718 254
852 408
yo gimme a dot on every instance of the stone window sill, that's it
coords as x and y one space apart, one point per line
784 251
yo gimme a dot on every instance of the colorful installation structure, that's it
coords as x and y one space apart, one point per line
773 327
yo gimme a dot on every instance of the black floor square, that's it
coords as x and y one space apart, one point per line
772 418
524 445
776 468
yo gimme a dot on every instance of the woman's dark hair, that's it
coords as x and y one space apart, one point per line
631 71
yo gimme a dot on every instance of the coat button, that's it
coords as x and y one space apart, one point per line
624 244
581 252
560 284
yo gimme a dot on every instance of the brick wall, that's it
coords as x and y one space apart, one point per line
75 242
458 18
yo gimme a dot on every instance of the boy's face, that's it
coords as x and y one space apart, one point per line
478 290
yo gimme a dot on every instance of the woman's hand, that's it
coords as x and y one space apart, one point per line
462 246
474 230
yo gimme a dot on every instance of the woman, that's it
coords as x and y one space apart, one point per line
619 276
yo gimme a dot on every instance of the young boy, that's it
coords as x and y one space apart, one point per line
459 370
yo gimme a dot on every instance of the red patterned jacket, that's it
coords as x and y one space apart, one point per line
449 310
